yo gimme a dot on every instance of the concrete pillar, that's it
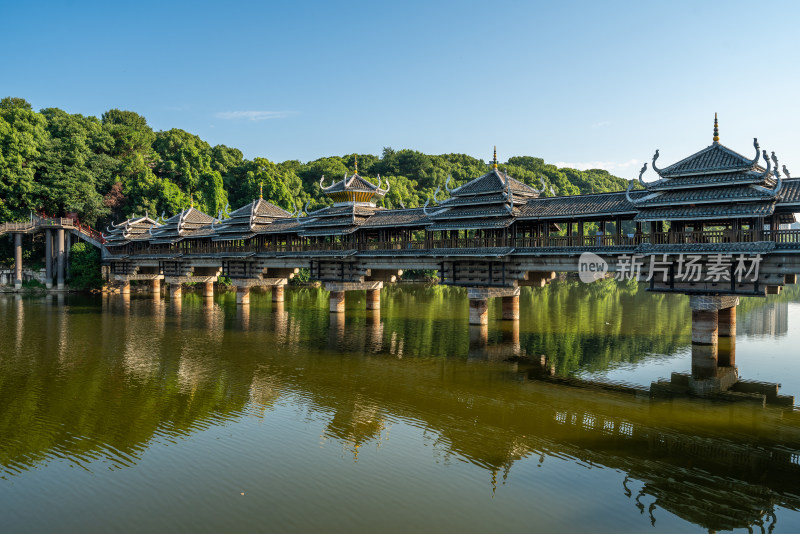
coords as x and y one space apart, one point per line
48 258
373 299
337 301
511 308
155 286
705 327
727 322
478 311
277 294
125 288
67 246
705 342
704 361
61 259
208 290
17 261
478 342
242 295
726 352
175 291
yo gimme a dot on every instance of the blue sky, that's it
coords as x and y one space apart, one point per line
589 84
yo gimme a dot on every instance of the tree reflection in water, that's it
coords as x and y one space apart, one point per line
84 379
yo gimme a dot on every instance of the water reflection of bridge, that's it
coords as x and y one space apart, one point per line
718 465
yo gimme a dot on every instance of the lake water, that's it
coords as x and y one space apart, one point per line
144 414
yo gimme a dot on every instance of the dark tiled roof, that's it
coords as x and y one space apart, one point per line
185 221
492 210
711 194
491 198
790 193
579 206
707 211
130 230
714 158
413 217
712 180
282 226
494 182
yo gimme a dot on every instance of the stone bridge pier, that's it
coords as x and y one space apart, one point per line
338 291
244 285
713 319
479 303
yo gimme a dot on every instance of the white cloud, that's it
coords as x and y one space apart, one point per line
611 166
252 115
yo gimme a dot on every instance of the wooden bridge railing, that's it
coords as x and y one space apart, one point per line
552 241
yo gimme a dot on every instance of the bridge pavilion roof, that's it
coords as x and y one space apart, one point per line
135 229
188 223
354 199
488 202
714 184
248 220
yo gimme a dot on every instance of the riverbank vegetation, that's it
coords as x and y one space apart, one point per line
115 166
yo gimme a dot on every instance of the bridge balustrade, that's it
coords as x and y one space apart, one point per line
551 241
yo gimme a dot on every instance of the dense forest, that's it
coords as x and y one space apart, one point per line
116 166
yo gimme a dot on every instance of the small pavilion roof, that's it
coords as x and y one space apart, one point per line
184 224
354 190
130 230
248 219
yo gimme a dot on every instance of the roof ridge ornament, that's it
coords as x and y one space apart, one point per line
494 160
786 171
769 165
227 210
628 191
658 171
261 190
758 151
777 173
447 184
425 207
644 168
716 129
544 186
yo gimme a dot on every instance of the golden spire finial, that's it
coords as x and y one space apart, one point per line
494 166
191 200
356 164
261 189
716 129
